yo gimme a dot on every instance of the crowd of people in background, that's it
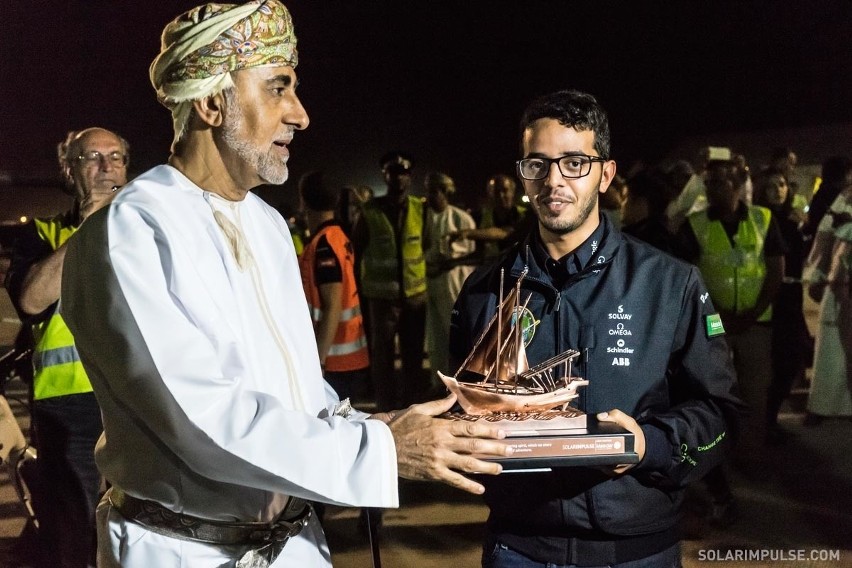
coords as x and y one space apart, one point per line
381 275
190 388
757 235
672 206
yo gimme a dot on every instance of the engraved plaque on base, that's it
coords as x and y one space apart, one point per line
545 442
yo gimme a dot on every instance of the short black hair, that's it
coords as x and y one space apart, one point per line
316 194
573 109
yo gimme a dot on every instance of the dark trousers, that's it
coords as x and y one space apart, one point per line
407 319
792 349
66 429
349 384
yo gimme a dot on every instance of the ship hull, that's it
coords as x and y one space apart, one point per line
482 398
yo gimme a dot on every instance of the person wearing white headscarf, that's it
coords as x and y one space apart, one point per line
828 274
185 298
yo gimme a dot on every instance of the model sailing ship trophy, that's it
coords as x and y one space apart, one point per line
532 404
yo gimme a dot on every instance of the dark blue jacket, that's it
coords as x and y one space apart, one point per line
638 317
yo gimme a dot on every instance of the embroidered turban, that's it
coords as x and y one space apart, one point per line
199 48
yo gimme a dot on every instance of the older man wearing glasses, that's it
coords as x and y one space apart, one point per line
66 417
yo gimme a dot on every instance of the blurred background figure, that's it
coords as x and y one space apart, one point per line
691 197
389 245
327 266
740 252
742 178
792 347
500 222
784 160
678 174
836 176
612 201
644 210
445 277
296 224
352 200
829 277
66 417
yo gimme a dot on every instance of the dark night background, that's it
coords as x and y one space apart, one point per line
446 81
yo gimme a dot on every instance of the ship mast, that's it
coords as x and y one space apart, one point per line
516 315
497 366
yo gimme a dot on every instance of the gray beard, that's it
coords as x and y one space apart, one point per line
268 166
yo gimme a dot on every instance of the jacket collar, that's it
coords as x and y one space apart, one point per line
592 258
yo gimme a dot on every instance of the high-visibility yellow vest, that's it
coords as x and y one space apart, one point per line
57 370
348 351
734 274
380 268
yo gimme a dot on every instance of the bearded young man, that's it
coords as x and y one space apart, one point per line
655 365
186 301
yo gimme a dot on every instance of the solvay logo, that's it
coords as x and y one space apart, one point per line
704 297
619 314
594 246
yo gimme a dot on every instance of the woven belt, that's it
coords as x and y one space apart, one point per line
161 520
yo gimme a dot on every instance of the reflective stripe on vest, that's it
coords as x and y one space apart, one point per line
348 351
380 268
56 363
340 349
734 275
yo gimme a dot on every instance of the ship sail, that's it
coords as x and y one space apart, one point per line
497 355
506 383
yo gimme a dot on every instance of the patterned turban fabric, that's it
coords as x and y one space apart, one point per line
200 48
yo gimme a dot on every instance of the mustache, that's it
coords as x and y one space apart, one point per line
545 198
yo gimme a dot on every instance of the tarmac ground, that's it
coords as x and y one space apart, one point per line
794 510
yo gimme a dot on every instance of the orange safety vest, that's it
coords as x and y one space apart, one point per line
348 350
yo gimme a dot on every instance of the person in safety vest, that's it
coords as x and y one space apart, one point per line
389 241
327 265
66 417
740 251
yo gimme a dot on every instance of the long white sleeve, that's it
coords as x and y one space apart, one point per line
207 374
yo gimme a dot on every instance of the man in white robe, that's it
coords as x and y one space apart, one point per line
448 264
186 302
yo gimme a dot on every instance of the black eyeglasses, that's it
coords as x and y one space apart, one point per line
572 166
116 158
